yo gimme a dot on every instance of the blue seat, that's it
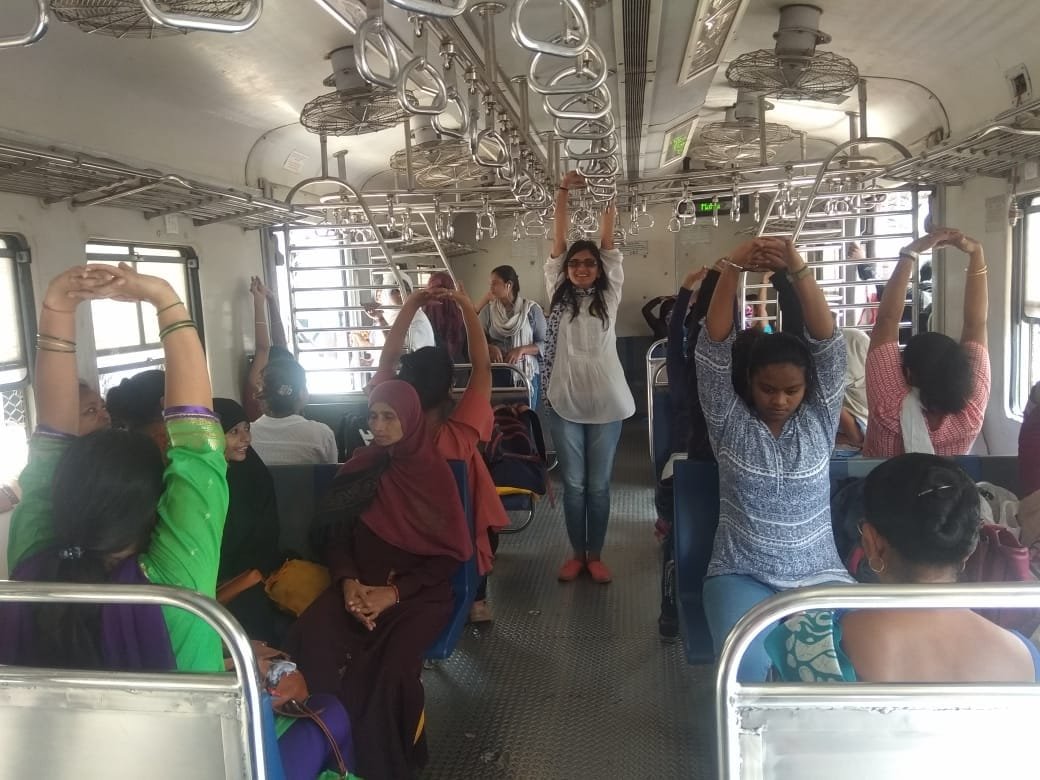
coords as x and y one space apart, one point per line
696 492
465 581
662 429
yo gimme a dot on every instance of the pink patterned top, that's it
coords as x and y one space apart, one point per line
886 389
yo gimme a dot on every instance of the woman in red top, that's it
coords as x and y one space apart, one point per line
933 398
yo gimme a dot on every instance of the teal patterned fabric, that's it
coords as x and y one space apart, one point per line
807 648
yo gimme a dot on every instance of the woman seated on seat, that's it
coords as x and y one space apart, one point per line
773 447
921 525
457 429
251 530
393 531
283 436
103 508
933 398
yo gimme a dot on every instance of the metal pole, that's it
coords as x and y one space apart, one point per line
409 177
323 146
915 281
862 108
763 147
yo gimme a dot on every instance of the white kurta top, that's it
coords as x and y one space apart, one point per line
587 383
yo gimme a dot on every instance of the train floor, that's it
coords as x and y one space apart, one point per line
572 681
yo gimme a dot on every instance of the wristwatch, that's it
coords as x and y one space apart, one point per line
906 251
801 273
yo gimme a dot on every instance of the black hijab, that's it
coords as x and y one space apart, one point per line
250 539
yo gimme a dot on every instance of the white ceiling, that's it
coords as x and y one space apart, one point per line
224 108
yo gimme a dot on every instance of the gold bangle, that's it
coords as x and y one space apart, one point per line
170 306
982 271
58 311
731 264
57 339
175 326
51 348
801 273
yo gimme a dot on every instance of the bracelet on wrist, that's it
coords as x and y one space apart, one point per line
168 307
801 273
563 188
58 311
176 326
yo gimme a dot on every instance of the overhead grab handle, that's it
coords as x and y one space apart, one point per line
490 149
462 133
581 34
600 101
443 10
411 104
38 30
373 30
563 82
251 15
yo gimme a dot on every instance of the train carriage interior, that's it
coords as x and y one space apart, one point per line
344 151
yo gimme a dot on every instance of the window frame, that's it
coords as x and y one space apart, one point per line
139 252
16 247
1023 327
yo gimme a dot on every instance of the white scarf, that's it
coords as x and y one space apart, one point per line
916 435
514 329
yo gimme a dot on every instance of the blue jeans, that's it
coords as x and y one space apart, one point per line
586 454
726 599
536 391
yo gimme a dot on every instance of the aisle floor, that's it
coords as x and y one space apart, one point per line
572 681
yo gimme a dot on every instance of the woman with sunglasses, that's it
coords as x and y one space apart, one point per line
586 395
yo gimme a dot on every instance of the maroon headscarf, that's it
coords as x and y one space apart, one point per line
417 505
448 326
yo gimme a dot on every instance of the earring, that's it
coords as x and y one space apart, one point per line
870 563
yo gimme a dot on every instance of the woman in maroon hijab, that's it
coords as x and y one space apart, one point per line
446 320
393 532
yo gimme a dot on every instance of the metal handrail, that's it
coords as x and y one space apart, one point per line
650 362
251 15
498 154
208 610
35 33
763 615
826 164
582 34
525 381
373 28
437 10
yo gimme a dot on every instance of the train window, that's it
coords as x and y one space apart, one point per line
126 338
1025 337
17 324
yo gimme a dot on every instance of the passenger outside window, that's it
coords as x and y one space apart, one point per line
126 337
17 322
1025 347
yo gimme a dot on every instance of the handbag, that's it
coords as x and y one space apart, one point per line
285 687
1000 557
296 585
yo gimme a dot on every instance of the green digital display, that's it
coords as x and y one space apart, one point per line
679 144
708 206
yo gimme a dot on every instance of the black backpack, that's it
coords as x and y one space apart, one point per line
515 454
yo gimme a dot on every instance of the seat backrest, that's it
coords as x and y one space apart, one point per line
125 726
298 489
791 731
466 579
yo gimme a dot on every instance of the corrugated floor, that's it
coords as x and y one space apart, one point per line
572 681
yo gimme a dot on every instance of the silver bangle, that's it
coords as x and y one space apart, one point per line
906 251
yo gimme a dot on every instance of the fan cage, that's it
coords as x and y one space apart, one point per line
127 19
438 164
352 113
822 76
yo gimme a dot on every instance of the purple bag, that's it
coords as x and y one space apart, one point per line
999 557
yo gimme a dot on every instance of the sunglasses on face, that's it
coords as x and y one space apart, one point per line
581 263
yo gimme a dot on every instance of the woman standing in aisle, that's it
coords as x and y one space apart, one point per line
586 393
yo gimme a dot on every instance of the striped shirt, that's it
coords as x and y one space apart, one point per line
774 508
887 387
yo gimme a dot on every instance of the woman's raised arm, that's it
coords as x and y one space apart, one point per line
720 311
56 384
560 214
893 299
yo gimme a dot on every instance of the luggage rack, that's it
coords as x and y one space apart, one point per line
59 176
